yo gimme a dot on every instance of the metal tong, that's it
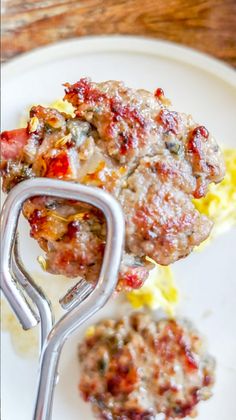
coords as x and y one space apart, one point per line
81 302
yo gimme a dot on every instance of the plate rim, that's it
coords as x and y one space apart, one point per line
118 43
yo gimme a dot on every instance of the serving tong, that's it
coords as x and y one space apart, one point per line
80 302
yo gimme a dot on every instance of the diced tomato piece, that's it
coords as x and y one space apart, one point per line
159 93
12 143
37 222
58 166
200 131
73 228
133 281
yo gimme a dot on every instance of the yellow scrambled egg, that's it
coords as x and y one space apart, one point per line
220 202
59 104
63 106
159 291
90 331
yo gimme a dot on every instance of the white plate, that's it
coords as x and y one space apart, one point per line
196 84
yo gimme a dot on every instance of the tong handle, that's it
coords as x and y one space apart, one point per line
35 293
9 220
79 312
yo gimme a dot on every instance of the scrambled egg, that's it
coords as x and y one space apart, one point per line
90 331
59 104
24 342
220 202
63 106
159 290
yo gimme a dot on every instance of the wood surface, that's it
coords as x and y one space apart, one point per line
207 25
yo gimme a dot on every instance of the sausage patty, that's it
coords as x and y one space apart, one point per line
126 141
136 368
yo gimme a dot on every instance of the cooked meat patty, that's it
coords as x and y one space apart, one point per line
136 368
153 160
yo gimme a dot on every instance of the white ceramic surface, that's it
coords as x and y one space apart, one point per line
196 84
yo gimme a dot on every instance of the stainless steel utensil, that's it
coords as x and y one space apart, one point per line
81 302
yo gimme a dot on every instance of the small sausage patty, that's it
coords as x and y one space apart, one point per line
136 368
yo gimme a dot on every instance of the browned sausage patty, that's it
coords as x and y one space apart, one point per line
136 368
153 160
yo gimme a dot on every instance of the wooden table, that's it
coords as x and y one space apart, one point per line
206 25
